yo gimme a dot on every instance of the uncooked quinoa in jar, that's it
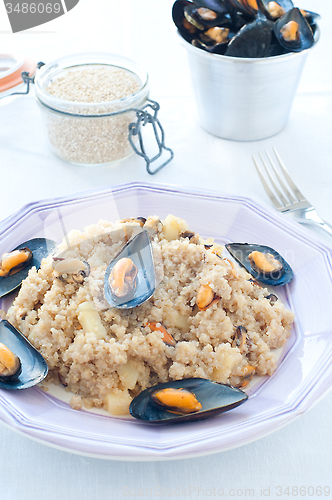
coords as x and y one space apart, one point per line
95 84
89 105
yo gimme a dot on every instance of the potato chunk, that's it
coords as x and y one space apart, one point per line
128 375
117 402
90 320
173 227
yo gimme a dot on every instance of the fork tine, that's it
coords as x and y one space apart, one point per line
291 198
295 189
277 190
274 200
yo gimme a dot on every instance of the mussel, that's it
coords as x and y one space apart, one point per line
123 278
17 263
186 29
179 401
139 283
311 17
275 9
272 298
203 18
10 364
204 24
12 262
159 327
264 263
293 31
21 365
206 297
185 400
218 6
247 7
253 40
245 28
70 270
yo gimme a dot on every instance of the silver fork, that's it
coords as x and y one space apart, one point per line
285 195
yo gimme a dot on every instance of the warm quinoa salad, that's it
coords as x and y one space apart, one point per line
206 318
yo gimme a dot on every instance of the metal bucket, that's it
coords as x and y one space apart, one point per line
244 99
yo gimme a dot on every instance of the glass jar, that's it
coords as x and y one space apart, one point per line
90 133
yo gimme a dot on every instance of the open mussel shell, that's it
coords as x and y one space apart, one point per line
218 6
139 250
214 397
311 17
247 7
205 42
269 9
253 40
33 366
186 29
241 252
40 247
204 18
305 38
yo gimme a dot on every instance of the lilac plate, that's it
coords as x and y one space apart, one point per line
304 372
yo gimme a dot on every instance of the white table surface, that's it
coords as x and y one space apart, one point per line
294 456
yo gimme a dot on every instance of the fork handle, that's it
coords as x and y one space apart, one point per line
322 224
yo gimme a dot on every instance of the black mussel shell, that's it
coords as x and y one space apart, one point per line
187 31
214 49
264 7
33 366
311 17
244 6
238 20
241 252
306 37
139 250
255 32
214 397
217 6
40 247
193 16
275 49
253 40
206 43
272 298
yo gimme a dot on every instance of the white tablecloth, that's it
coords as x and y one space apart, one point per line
297 455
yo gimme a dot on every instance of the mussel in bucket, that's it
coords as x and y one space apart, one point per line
186 29
275 9
293 31
253 40
264 263
247 7
245 28
185 400
204 24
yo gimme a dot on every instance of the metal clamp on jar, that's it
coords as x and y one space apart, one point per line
94 106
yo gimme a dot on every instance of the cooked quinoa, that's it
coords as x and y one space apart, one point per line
108 363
